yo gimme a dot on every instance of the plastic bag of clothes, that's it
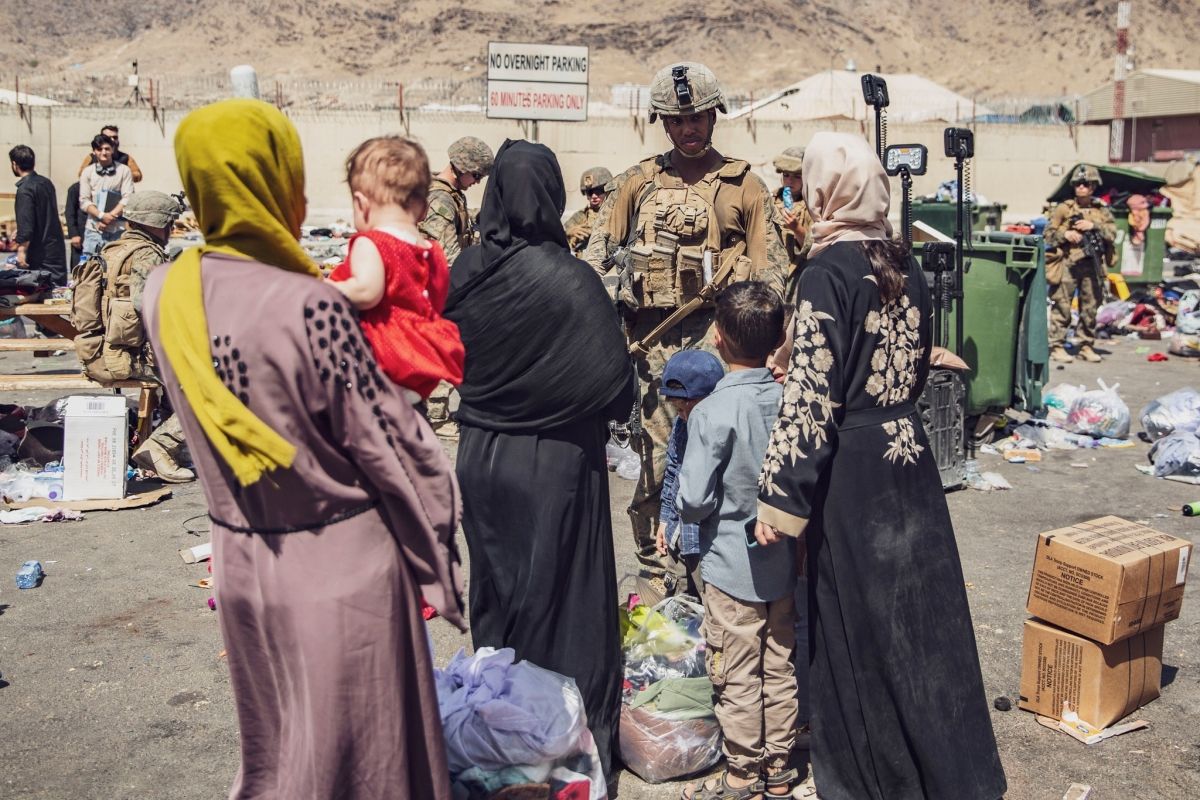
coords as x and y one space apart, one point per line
1100 413
668 727
1174 412
1176 454
1110 315
1058 401
510 723
657 747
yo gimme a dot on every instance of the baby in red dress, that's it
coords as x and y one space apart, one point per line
396 278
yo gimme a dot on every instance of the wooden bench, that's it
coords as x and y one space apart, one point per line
147 399
52 317
35 345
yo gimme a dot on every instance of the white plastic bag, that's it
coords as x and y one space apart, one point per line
623 460
1177 454
1177 411
1099 413
1058 401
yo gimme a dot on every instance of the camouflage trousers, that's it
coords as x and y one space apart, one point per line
1081 276
169 436
657 418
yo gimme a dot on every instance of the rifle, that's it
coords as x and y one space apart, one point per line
1094 249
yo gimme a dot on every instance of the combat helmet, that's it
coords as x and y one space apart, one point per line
790 160
469 154
153 209
594 177
685 88
1086 173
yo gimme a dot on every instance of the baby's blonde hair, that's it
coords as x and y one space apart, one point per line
390 169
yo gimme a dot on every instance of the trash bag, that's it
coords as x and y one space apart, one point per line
1183 343
1100 413
664 641
623 460
1111 314
1176 411
1058 401
1176 454
658 748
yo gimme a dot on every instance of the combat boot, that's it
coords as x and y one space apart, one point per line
1088 354
1059 353
154 457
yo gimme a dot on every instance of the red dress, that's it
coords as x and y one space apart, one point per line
413 343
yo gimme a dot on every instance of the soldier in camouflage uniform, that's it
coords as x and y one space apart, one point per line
1068 267
793 225
447 221
716 197
149 216
579 225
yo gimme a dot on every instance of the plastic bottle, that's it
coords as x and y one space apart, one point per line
29 575
788 202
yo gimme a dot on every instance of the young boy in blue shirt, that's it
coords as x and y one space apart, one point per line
688 377
747 594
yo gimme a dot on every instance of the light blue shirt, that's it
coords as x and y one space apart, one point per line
728 433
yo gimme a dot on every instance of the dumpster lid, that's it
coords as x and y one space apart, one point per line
1128 181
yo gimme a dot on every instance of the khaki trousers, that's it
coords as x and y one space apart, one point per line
749 660
1081 276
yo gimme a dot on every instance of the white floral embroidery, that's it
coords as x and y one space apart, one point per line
904 441
807 409
894 370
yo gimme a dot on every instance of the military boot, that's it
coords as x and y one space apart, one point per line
1059 353
1088 354
154 457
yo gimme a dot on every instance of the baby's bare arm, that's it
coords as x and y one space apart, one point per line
364 288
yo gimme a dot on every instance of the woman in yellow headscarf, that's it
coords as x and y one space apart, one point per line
333 506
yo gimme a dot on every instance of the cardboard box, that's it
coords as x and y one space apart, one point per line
1108 579
1103 683
95 448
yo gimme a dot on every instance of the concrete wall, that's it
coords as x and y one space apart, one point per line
1013 163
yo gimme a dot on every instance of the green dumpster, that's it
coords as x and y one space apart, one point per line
1004 322
940 215
1140 266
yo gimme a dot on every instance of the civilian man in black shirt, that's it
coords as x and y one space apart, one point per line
39 233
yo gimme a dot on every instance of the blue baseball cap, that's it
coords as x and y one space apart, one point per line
691 374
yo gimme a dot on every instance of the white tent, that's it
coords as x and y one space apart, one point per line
11 98
838 94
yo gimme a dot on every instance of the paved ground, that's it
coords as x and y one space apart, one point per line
113 685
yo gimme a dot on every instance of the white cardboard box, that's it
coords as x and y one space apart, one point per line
95 448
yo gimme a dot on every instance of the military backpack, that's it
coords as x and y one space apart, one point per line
111 341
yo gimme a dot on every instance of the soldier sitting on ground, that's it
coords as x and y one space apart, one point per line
579 225
1079 245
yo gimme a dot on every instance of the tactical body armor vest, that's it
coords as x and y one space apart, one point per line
675 238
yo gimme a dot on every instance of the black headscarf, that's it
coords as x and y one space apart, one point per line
543 340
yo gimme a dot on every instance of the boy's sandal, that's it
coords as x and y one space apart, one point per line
785 779
723 791
807 790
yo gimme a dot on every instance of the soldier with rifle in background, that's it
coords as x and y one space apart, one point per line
1079 246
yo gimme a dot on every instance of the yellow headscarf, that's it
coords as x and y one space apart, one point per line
243 171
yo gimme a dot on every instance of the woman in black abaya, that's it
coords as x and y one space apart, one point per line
547 367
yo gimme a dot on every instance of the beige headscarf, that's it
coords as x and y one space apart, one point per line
846 191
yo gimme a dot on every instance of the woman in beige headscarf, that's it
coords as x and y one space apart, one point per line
898 708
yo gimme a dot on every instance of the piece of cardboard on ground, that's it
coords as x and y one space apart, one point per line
1108 579
192 555
1087 734
1079 791
1101 683
137 498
